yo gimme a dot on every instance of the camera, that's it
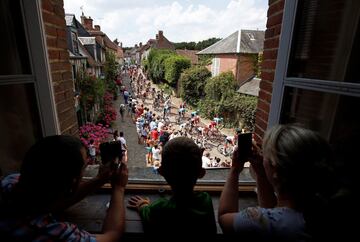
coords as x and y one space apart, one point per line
111 150
244 145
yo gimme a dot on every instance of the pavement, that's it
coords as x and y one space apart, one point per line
138 171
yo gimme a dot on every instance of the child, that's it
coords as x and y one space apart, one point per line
181 166
92 152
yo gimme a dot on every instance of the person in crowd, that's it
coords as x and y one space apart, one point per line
122 111
186 212
295 182
48 183
92 151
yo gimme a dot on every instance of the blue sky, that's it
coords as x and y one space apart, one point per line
137 21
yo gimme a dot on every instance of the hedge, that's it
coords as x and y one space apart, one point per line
174 65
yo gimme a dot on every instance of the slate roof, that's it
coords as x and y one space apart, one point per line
251 87
245 41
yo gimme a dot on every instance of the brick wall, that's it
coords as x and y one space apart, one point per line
246 67
271 46
228 63
60 68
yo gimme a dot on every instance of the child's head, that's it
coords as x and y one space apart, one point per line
181 164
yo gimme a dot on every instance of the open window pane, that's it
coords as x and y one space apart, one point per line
334 116
19 124
326 41
14 52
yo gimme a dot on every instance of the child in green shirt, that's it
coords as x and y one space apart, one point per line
186 212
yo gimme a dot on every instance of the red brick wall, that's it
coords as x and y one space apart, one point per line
228 63
271 46
60 68
246 67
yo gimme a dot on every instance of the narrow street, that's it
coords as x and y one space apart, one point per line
137 152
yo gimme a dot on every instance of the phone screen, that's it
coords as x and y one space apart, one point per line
244 145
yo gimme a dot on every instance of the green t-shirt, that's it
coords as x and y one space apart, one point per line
166 216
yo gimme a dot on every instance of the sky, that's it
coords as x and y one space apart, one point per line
134 21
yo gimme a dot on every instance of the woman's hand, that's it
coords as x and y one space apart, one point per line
237 164
136 202
256 161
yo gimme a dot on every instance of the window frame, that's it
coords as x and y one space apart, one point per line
281 80
34 32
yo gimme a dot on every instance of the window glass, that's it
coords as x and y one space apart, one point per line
326 41
19 124
333 115
14 52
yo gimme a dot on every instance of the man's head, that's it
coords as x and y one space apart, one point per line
52 168
181 164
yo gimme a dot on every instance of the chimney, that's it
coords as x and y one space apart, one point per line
97 27
87 22
161 35
136 46
120 44
157 37
140 44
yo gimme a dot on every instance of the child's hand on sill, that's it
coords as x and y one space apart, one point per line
137 202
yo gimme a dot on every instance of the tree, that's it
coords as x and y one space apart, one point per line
174 65
111 71
192 83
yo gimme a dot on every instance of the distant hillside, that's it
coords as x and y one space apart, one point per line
196 45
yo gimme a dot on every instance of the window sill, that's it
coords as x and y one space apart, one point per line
90 212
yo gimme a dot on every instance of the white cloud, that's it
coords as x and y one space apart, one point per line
139 20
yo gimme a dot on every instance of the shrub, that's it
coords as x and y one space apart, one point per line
192 83
174 65
222 99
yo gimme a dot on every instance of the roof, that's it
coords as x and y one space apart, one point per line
87 40
109 43
241 41
250 87
191 54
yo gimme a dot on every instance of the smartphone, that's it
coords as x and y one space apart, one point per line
109 151
244 145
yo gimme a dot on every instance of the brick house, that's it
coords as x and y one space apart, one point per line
36 85
237 53
160 42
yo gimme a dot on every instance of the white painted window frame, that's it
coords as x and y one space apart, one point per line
281 80
40 77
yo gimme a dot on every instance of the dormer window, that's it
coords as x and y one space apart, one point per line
75 44
251 36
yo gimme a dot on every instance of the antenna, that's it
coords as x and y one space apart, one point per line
82 9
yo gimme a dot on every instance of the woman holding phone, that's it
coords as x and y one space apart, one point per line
294 180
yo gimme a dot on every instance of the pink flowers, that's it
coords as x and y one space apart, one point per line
108 114
96 132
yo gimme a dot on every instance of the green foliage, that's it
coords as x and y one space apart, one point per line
166 88
174 65
205 60
196 46
192 83
221 99
156 60
257 64
220 87
111 71
145 64
91 91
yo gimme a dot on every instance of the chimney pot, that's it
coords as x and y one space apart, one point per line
97 27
